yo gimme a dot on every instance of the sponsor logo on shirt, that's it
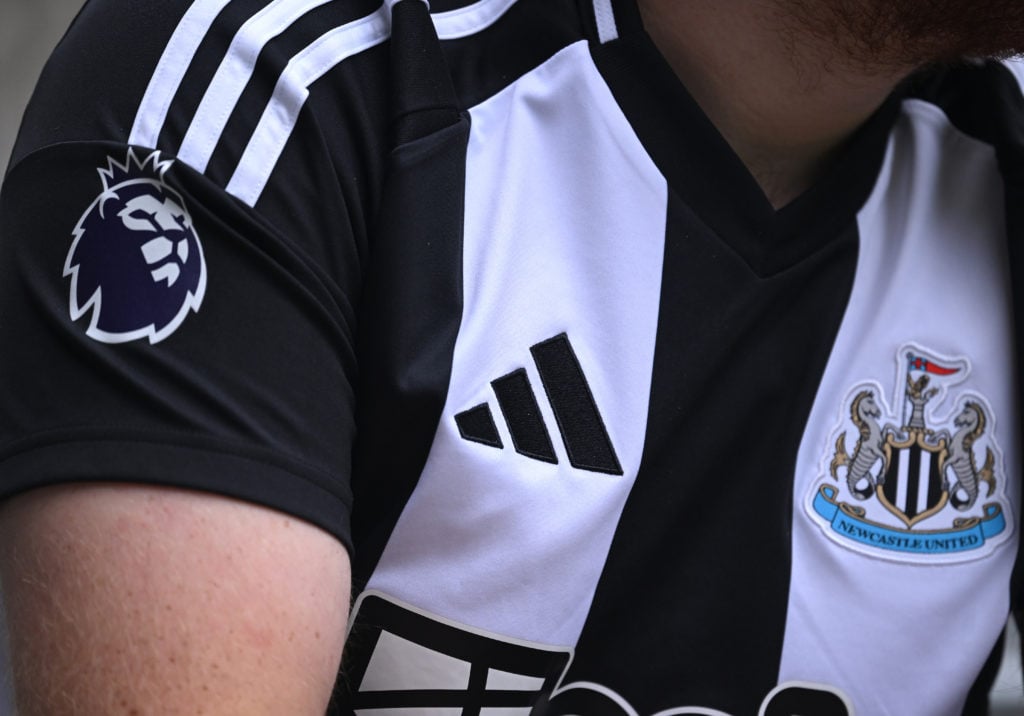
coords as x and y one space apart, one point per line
922 480
136 263
579 421
402 659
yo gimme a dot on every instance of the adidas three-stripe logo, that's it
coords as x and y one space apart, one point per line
579 422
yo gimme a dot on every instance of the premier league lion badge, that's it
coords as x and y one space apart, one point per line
921 481
136 262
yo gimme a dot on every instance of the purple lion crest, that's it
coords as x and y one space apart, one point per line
136 261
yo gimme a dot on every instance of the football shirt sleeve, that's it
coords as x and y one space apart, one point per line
157 326
156 330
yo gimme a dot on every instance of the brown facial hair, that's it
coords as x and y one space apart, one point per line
887 34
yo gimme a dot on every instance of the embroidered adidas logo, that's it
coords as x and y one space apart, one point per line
580 424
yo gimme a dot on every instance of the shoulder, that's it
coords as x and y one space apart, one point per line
981 99
220 86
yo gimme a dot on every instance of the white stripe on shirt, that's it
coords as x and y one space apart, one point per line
170 71
279 118
233 75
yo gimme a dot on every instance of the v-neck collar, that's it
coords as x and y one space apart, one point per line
703 170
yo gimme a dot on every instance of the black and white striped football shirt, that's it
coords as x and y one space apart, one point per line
478 289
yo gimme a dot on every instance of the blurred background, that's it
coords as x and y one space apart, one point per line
28 31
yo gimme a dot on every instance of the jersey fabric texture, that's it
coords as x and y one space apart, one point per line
479 290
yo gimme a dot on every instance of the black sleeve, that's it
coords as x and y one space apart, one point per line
154 328
209 356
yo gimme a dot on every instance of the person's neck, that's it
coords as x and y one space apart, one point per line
785 100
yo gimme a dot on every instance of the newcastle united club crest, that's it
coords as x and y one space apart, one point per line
920 480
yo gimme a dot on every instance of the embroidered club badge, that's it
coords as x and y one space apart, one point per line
921 481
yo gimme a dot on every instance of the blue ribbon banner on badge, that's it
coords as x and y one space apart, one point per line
967 533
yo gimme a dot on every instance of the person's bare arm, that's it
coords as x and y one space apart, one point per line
143 600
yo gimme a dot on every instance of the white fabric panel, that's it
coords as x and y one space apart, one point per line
901 492
469 20
498 679
279 118
604 14
932 270
170 70
398 664
1016 66
560 194
232 76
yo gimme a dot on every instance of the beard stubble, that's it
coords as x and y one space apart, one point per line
883 35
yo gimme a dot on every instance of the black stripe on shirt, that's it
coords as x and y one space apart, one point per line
704 539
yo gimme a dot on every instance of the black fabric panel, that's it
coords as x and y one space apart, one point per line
478 696
216 405
448 5
579 421
529 33
424 102
338 155
327 184
407 334
522 415
1015 228
477 424
578 701
796 700
414 299
977 697
913 482
713 504
270 64
469 701
934 485
94 81
892 476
